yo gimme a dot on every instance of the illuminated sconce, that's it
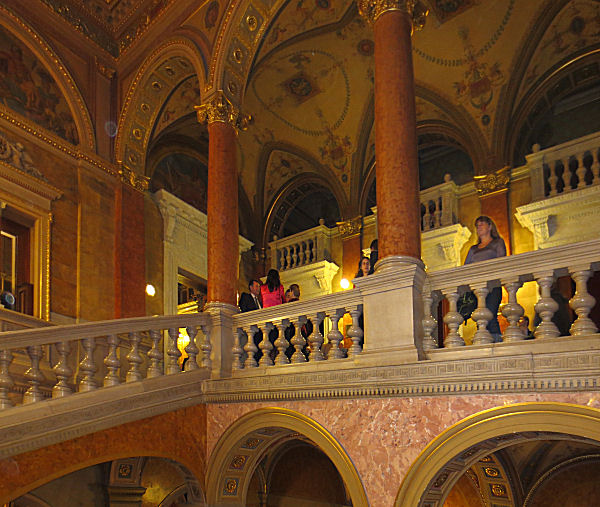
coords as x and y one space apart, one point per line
345 284
150 290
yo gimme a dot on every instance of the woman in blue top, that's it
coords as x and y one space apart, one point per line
489 246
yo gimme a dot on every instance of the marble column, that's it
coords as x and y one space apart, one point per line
397 169
130 241
222 199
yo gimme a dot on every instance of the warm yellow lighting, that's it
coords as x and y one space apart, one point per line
150 290
344 283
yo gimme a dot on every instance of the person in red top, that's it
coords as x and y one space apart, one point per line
272 291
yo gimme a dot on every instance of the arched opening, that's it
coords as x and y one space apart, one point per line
274 452
510 455
131 481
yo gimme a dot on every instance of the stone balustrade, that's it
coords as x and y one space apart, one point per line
295 332
578 260
301 249
55 349
564 168
439 206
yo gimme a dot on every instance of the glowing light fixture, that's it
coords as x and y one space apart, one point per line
344 283
150 290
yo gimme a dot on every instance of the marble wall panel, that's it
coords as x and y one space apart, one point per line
383 437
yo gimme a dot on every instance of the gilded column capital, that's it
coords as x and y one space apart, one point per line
218 109
350 228
491 183
372 9
137 181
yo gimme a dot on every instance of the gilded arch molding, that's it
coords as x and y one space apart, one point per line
65 82
480 434
242 446
171 63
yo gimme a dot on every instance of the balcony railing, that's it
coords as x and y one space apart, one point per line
439 206
90 374
564 168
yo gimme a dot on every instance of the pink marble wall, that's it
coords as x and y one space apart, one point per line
384 436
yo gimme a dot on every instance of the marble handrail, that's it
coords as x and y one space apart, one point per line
103 337
302 248
578 260
11 321
550 169
274 321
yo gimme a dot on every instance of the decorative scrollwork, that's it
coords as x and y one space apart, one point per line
137 181
220 109
493 182
350 227
372 9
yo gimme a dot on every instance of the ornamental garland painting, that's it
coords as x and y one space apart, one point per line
27 88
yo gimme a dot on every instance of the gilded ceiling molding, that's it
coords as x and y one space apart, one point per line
218 109
372 9
141 108
350 228
493 182
105 70
136 181
59 73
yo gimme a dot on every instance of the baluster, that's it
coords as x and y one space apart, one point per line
301 253
191 349
335 336
453 320
546 307
62 370
155 355
265 345
581 170
355 332
481 315
315 340
314 250
250 347
206 347
566 176
552 177
426 218
87 366
582 303
112 363
134 358
438 212
429 322
595 168
279 255
288 257
513 311
281 342
237 350
295 249
6 381
34 375
173 352
298 341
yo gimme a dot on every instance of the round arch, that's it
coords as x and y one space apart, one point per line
53 64
178 58
478 435
242 446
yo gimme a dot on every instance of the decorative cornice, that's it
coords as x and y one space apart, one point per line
350 228
137 181
372 9
218 109
105 70
493 182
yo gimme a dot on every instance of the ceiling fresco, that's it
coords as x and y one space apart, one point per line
181 103
575 28
27 88
207 19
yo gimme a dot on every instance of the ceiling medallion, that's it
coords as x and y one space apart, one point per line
238 55
252 23
145 107
156 85
137 133
232 87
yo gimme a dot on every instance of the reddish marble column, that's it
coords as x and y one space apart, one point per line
222 211
397 171
130 253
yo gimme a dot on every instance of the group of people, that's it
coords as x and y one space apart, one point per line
271 293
